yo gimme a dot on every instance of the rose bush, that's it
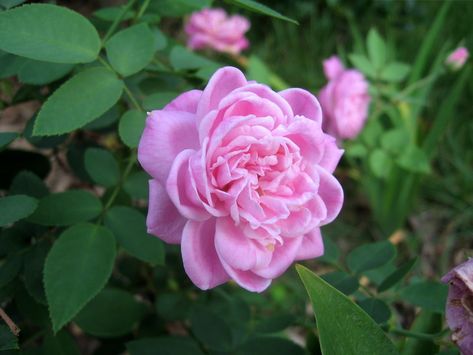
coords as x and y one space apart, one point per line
345 100
242 179
214 29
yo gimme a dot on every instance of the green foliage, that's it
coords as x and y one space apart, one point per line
370 256
428 295
101 167
261 9
8 341
131 126
16 207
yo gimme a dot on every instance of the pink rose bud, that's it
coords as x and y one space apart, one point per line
242 178
460 305
457 58
345 100
213 28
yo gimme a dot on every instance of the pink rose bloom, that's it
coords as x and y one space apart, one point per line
457 58
242 179
344 100
213 28
460 305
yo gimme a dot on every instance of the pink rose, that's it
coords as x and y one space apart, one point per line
344 100
212 28
457 58
242 179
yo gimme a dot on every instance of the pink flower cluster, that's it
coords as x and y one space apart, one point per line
242 178
345 100
213 28
458 58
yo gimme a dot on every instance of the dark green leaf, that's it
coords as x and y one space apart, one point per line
173 306
80 100
170 345
60 344
6 138
380 163
261 9
77 268
331 251
131 126
40 73
101 167
397 275
8 340
211 330
131 49
41 142
370 256
270 345
344 328
33 272
426 323
414 159
395 140
9 269
182 59
49 33
111 313
6 4
137 185
395 72
158 100
129 227
10 64
111 13
27 183
342 281
376 49
104 120
377 309
66 208
429 295
160 40
274 324
16 207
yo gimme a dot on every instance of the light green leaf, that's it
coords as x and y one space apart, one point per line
183 59
131 126
376 49
129 227
395 140
177 8
80 100
131 49
429 295
258 71
111 13
49 33
370 256
261 9
16 207
169 345
66 208
111 313
363 64
414 159
395 72
356 150
77 268
36 72
6 138
397 275
344 328
101 166
380 163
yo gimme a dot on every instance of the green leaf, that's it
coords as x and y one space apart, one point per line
41 142
183 59
111 313
344 328
342 281
363 64
356 150
376 49
331 251
261 9
397 275
111 13
60 344
270 345
105 120
10 64
177 8
101 167
377 309
395 140
258 71
169 345
10 268
16 207
66 208
131 49
49 33
160 40
395 72
426 323
429 295
137 185
6 138
158 100
172 306
8 340
414 159
380 163
129 227
77 268
370 256
274 324
211 330
27 183
80 100
33 272
6 4
36 72
131 126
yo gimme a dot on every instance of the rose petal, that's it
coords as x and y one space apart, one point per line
200 259
166 134
303 103
163 220
333 67
331 193
247 279
311 247
186 102
331 154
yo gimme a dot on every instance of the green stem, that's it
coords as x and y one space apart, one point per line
117 21
133 99
105 63
418 335
141 11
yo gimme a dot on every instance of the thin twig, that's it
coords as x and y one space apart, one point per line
11 324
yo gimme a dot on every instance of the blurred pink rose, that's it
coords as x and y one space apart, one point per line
242 179
460 305
213 28
344 100
457 58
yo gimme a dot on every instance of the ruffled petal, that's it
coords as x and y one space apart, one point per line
312 246
331 193
331 154
303 103
200 259
247 279
163 220
186 102
166 134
